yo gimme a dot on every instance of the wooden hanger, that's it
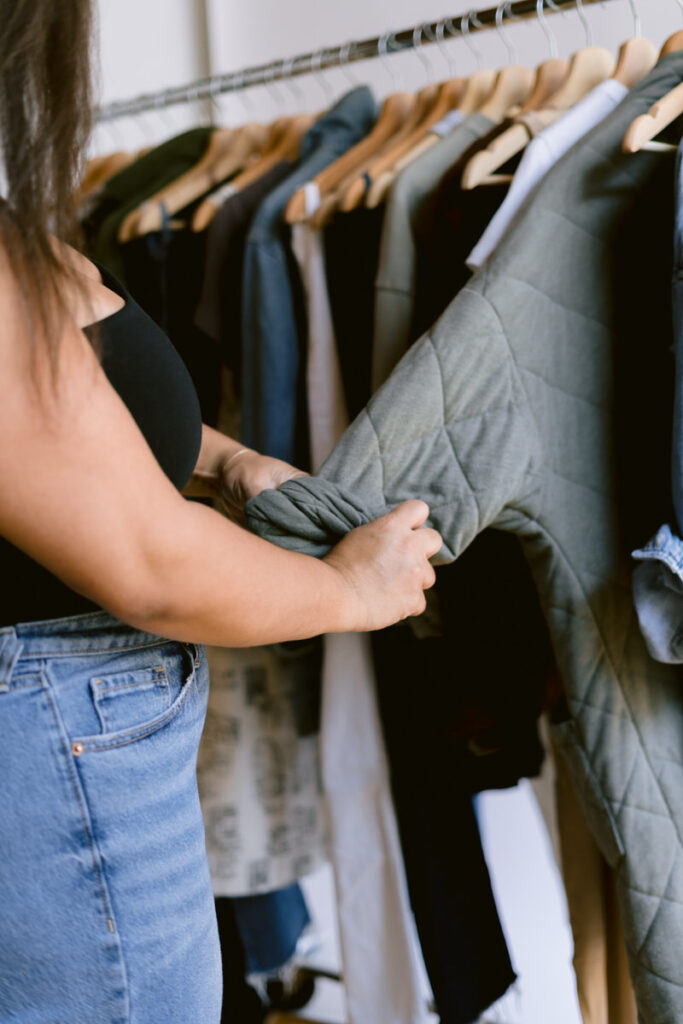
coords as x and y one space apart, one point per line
507 88
636 59
644 129
478 88
99 170
354 194
587 68
396 111
512 88
449 95
228 151
287 133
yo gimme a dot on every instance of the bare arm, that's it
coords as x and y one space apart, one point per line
81 492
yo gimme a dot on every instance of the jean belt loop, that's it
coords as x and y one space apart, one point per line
10 649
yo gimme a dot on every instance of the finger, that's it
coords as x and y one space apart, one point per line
429 580
411 514
431 541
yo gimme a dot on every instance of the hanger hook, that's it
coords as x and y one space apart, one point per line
439 39
465 22
276 95
238 87
637 26
418 34
163 113
550 36
114 131
585 22
382 52
500 15
344 58
433 37
316 66
214 109
290 83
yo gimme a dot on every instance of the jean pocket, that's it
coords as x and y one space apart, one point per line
594 805
135 704
124 699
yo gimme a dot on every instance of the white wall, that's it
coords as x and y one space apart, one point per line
146 45
149 44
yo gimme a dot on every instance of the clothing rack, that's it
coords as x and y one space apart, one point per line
340 56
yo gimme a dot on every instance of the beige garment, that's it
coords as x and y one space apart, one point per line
600 962
372 896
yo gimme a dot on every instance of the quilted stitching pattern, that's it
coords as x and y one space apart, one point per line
505 415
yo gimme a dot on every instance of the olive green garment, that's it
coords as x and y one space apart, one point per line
133 185
539 404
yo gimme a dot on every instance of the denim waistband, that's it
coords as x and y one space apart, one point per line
92 633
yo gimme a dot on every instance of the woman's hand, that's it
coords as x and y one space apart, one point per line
386 565
232 473
244 474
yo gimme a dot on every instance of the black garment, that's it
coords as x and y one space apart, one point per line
150 377
472 727
241 1003
164 271
127 190
219 313
351 256
449 226
462 941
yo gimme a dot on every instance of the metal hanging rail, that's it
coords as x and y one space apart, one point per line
339 56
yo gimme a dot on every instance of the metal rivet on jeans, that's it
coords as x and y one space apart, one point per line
76 749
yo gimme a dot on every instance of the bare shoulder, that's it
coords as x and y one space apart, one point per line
30 362
77 261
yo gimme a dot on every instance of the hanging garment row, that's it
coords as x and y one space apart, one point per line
501 215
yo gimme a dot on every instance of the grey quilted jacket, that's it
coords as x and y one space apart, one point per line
538 404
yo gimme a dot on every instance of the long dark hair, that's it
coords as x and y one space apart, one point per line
45 123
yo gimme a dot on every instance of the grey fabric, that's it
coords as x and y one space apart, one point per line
534 406
397 270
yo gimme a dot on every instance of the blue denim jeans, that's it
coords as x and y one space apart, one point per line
658 579
106 908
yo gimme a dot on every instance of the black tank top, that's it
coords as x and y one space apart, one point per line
150 377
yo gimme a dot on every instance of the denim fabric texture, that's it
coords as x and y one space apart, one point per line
270 926
658 594
272 304
658 579
107 913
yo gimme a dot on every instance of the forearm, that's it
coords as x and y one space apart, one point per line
216 450
210 581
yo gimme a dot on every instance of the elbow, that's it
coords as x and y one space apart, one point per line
146 609
146 601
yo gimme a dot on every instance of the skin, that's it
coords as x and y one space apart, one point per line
97 511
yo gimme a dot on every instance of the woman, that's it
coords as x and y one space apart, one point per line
111 584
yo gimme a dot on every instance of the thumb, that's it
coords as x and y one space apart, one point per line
411 514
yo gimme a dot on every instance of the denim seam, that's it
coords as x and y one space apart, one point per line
79 795
38 655
89 834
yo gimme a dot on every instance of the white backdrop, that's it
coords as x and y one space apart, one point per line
149 44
